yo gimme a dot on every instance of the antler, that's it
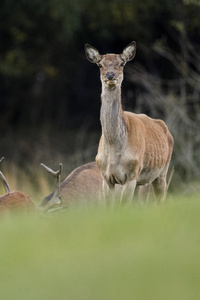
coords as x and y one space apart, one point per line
1 159
4 181
55 174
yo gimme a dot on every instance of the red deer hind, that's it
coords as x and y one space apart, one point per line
134 149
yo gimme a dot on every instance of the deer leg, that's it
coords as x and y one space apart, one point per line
144 193
128 191
108 192
160 188
160 185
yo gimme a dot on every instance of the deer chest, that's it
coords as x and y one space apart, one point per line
116 167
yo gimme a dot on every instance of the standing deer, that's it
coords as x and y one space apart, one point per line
134 149
15 200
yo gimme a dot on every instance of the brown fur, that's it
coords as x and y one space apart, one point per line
134 149
84 184
12 201
16 201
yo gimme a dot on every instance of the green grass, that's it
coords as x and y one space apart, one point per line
98 253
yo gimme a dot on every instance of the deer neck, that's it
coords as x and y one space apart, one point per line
112 117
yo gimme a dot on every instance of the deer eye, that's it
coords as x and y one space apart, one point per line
122 64
99 65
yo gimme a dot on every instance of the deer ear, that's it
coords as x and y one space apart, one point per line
129 52
92 54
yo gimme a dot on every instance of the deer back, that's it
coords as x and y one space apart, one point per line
16 201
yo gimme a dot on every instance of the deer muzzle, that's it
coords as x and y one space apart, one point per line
110 79
110 76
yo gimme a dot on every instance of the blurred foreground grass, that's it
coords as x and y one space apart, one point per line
140 252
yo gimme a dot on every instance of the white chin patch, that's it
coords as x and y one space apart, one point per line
111 82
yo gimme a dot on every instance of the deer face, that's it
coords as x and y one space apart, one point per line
111 69
111 65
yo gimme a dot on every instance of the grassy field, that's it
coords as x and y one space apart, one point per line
137 252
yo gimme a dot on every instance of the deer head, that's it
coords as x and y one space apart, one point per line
111 65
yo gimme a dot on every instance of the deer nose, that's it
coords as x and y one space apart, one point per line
110 75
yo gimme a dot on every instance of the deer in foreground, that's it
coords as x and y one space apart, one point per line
134 149
84 184
14 201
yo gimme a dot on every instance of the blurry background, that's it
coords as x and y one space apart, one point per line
50 93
